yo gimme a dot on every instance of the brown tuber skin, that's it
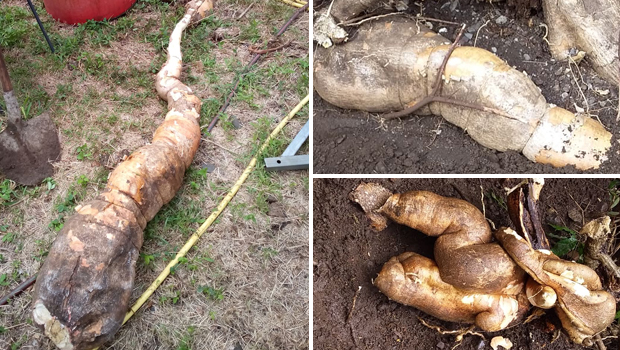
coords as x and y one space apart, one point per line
464 253
414 280
83 289
475 280
583 307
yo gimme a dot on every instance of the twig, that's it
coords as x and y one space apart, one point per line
460 333
260 52
357 293
437 85
363 19
246 10
478 31
19 289
220 146
571 61
436 133
435 94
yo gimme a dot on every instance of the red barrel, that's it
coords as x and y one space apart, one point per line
80 11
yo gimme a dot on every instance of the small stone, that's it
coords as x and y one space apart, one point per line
469 36
210 167
526 57
564 95
474 27
494 49
575 214
408 162
380 167
566 87
501 20
236 123
559 71
441 345
341 139
442 30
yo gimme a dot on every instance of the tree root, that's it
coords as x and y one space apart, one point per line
435 95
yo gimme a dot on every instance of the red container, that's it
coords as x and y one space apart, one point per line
80 11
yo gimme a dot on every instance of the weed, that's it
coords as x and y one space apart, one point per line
83 152
564 245
82 180
9 237
49 183
212 293
147 259
268 253
7 192
4 280
174 298
499 200
186 340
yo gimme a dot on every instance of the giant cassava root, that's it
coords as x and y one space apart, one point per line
83 289
475 280
590 26
391 64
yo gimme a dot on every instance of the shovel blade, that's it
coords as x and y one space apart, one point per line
27 148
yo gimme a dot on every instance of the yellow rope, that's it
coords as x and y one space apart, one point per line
203 228
295 3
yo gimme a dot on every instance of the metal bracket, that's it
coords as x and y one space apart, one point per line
288 160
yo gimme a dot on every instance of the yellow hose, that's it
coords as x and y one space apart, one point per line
220 208
295 3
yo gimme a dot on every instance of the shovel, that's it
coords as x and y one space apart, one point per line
26 146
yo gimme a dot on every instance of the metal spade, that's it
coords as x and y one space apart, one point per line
26 146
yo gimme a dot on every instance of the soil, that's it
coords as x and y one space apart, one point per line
26 149
348 141
348 254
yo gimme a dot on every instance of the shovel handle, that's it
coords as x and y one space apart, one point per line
4 75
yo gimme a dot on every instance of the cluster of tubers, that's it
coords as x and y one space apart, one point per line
475 279
390 64
82 291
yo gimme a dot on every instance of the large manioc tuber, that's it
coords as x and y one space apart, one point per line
414 280
476 280
582 306
391 64
590 26
473 281
83 288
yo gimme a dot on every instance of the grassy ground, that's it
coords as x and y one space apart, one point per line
245 284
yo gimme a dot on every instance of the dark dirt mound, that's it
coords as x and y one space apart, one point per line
351 142
26 149
348 254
